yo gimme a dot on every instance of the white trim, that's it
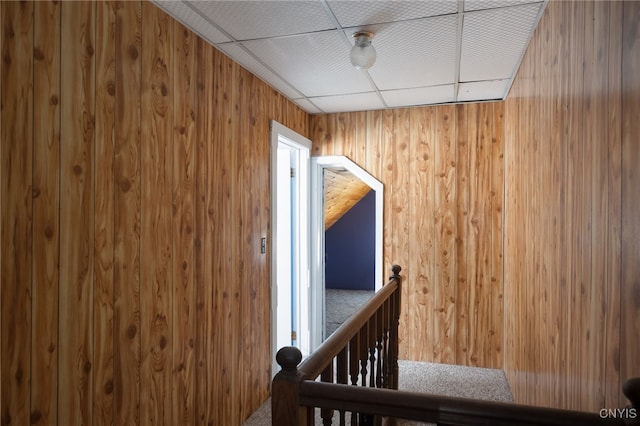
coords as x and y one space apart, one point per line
318 164
283 135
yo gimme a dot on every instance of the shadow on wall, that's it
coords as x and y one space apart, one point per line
350 248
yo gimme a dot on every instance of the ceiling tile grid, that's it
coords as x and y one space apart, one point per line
419 96
247 20
358 13
428 51
321 68
415 53
494 40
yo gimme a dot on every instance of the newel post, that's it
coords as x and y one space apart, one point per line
631 389
395 323
285 406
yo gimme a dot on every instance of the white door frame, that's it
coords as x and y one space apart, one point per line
297 143
318 164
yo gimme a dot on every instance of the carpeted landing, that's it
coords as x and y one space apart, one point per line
437 379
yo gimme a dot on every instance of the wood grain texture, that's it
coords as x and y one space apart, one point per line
566 292
77 205
151 198
630 286
46 212
183 195
569 217
156 239
16 263
127 214
613 382
204 398
421 266
424 161
105 187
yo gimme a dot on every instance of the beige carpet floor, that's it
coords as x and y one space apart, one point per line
437 379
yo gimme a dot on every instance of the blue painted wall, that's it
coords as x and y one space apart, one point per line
350 248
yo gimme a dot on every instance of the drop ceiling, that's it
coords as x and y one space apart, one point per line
428 51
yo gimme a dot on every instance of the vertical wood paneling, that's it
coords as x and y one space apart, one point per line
223 256
630 288
423 157
565 193
184 149
597 18
46 210
469 201
496 322
204 237
401 200
77 212
105 187
16 166
445 236
373 159
480 303
156 217
559 242
386 176
511 246
464 240
150 195
614 201
420 269
127 216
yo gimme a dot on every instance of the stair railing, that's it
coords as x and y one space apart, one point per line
363 352
357 368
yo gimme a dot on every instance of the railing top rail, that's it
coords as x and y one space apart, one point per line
439 409
313 366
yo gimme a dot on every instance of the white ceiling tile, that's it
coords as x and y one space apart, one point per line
482 90
493 41
315 64
492 4
419 96
245 20
415 53
354 102
190 18
244 58
301 47
362 13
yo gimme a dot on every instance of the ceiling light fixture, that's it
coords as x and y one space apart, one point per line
363 54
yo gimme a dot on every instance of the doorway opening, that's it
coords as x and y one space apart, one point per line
290 281
321 168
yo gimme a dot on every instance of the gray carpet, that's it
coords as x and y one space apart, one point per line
437 379
339 305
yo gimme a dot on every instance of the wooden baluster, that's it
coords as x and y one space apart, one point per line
326 413
631 390
385 344
363 355
285 406
342 376
353 359
395 321
379 333
372 351
354 350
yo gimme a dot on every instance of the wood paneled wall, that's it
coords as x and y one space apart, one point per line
134 191
442 168
572 228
